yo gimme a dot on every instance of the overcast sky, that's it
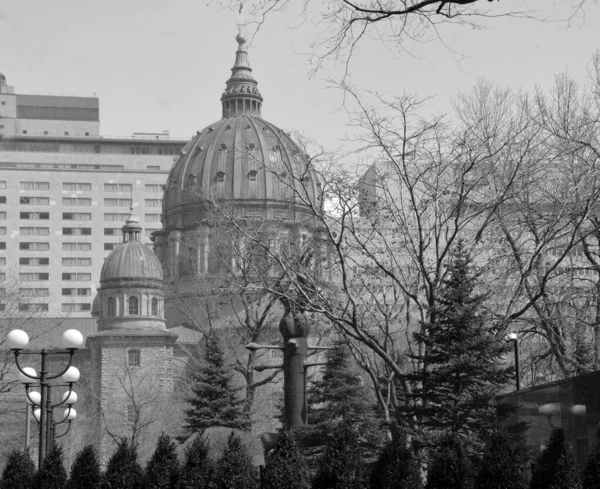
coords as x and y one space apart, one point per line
162 65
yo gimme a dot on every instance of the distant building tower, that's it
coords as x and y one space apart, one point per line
131 354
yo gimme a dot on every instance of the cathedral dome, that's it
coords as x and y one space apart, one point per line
242 158
131 259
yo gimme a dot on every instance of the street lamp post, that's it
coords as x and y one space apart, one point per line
17 340
514 338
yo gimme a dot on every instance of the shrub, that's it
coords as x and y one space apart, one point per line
85 471
18 472
555 467
123 470
285 466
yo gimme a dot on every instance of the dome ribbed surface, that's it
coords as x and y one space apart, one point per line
242 158
131 260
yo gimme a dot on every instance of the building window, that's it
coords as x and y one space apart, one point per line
34 246
34 231
76 307
33 200
131 413
110 246
76 231
2 258
76 201
220 176
252 175
27 307
33 292
115 216
118 187
34 216
154 188
34 261
77 246
154 168
118 202
77 216
155 306
33 277
77 277
2 199
3 215
112 231
74 186
153 202
3 184
133 306
2 245
151 217
2 231
77 262
133 358
34 185
111 306
77 292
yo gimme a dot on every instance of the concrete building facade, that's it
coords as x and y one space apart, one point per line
65 191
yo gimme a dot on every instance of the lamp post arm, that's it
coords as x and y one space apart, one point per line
17 353
70 386
71 352
66 431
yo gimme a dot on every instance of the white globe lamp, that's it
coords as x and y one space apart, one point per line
35 398
71 375
70 398
17 339
23 376
72 339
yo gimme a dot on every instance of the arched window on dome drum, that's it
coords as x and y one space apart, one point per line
134 306
111 307
220 176
154 307
252 175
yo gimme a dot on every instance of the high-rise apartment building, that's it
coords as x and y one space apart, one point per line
65 192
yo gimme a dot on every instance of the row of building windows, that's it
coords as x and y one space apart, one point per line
35 277
78 216
66 262
81 201
69 246
37 307
87 147
84 186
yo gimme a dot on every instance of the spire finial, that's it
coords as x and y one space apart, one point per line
241 96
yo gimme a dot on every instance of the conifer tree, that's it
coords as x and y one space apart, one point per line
456 391
123 470
340 395
52 475
555 467
591 472
215 402
18 472
162 470
234 469
449 467
285 466
396 467
341 466
502 464
198 467
85 471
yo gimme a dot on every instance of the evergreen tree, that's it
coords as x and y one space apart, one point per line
234 469
215 402
341 466
503 463
340 395
18 472
52 475
198 467
396 467
123 470
449 467
85 471
162 470
591 472
555 467
456 391
286 466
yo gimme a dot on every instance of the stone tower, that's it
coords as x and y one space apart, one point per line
132 352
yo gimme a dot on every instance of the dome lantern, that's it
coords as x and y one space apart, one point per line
132 228
241 95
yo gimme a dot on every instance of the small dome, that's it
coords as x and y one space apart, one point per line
131 260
